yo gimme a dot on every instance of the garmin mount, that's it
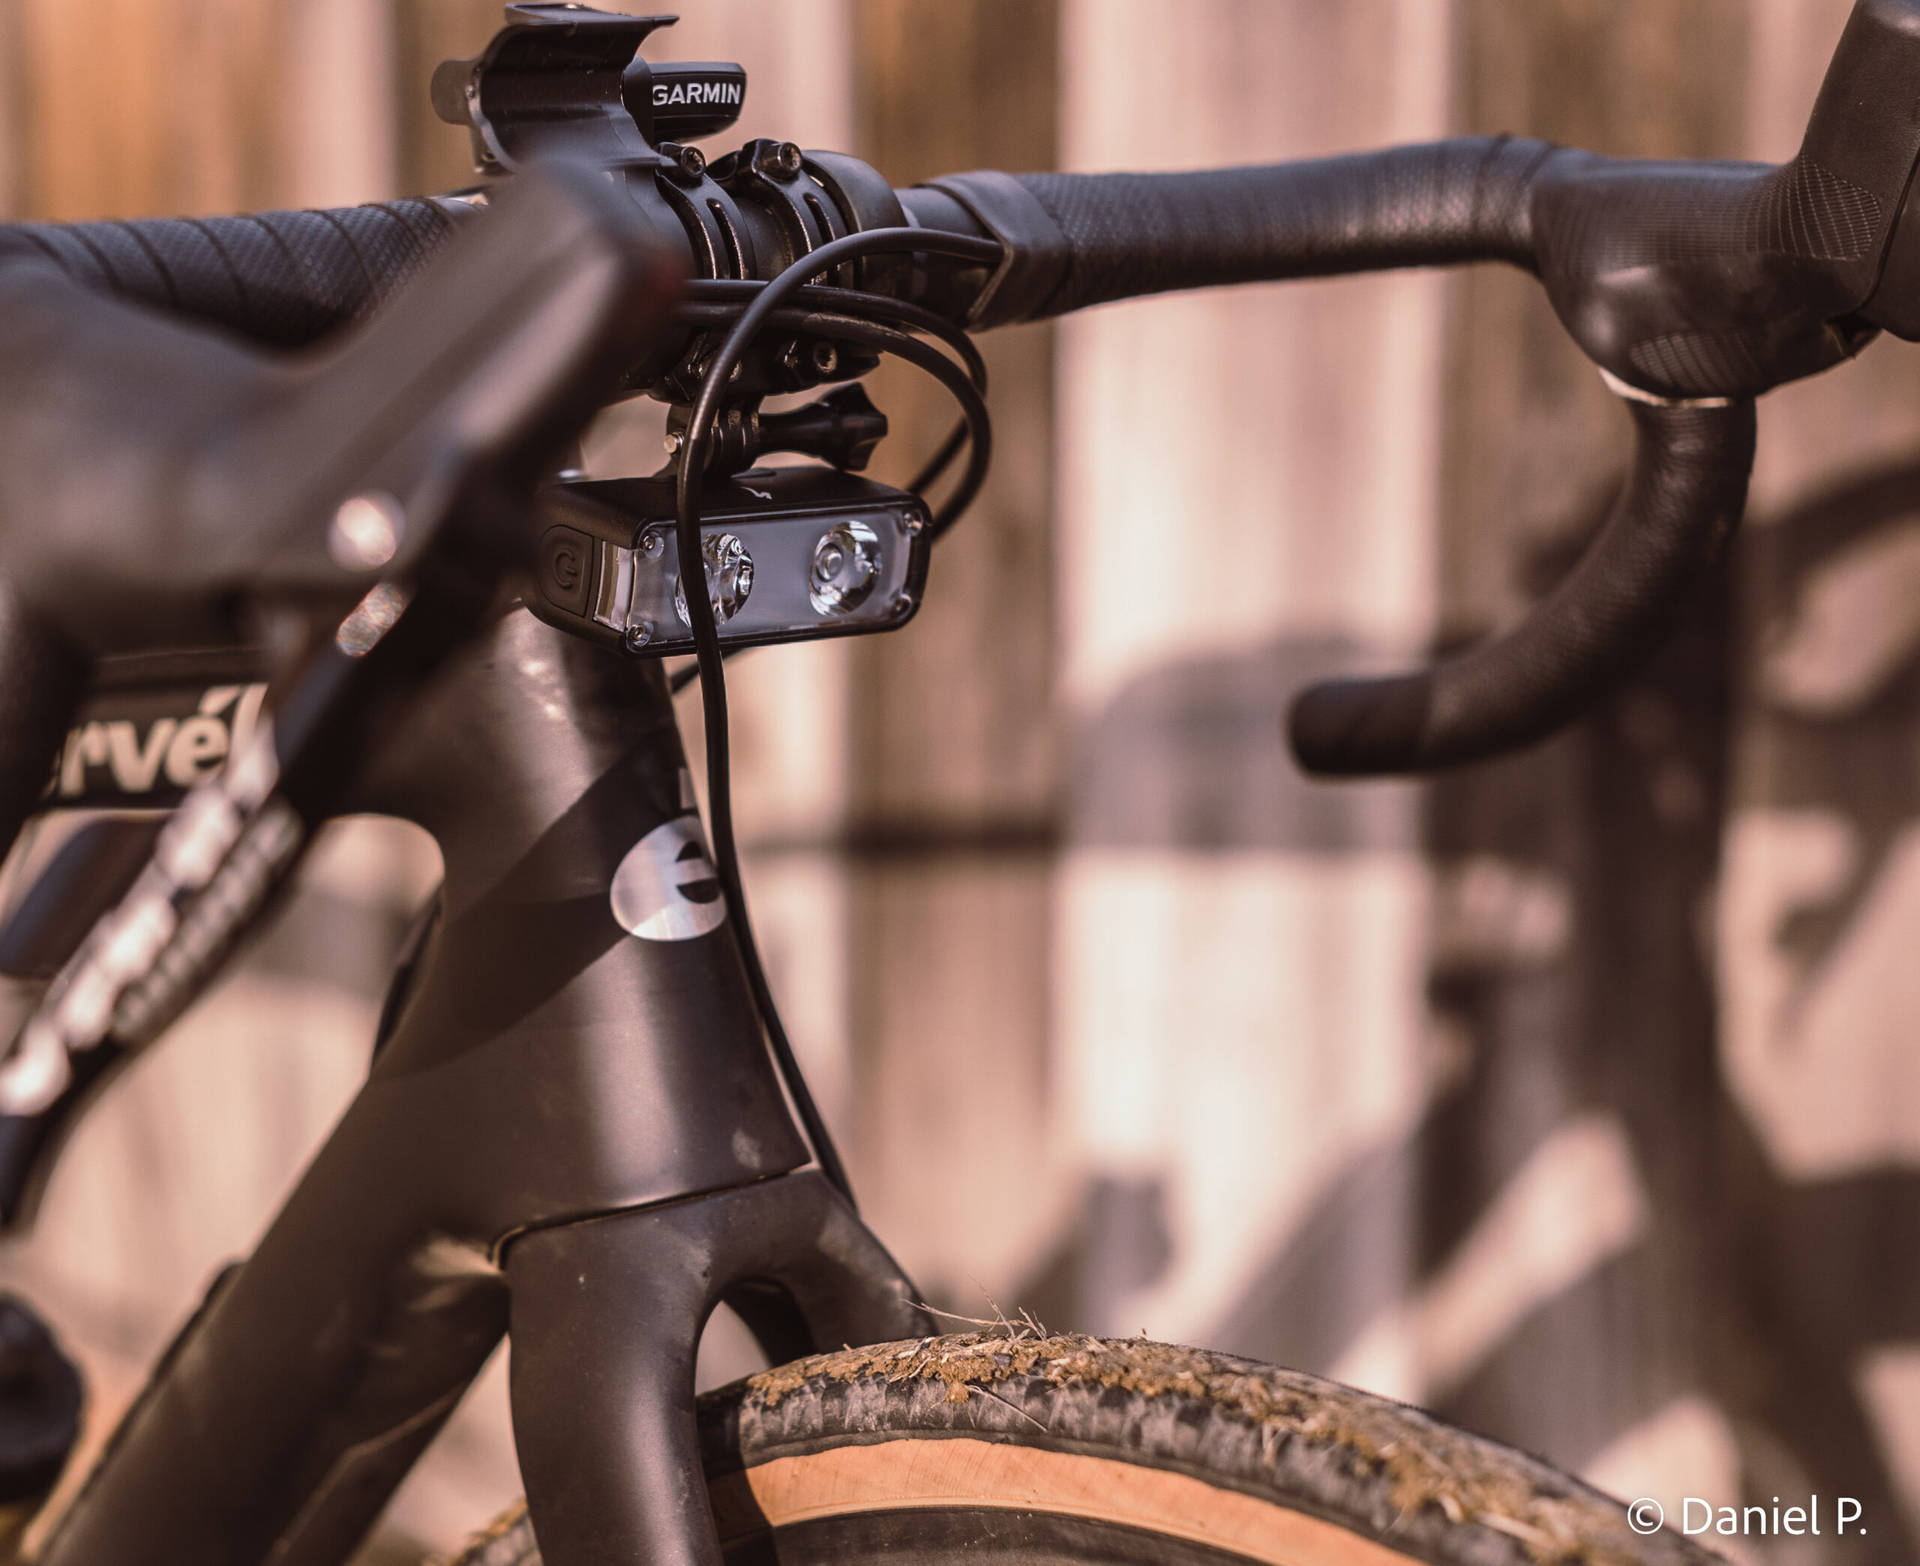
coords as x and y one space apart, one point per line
568 81
566 78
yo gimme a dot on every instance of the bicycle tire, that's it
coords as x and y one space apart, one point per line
1024 1448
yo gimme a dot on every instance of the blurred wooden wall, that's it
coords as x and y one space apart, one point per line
1754 1061
137 107
953 760
1247 497
1609 1034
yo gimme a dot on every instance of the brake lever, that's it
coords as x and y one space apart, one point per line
442 413
1695 287
1681 501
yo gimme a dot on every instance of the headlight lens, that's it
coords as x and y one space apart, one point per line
846 564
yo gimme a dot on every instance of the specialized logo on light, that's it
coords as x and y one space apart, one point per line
666 889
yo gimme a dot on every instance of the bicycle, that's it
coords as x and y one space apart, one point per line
583 1124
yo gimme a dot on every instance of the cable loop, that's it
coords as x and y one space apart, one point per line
692 459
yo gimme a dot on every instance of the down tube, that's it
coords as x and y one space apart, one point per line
547 1066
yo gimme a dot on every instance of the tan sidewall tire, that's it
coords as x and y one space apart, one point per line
956 1473
1017 1447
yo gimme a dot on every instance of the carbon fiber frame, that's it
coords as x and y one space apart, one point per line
571 1132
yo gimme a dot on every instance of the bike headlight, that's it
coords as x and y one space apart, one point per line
789 554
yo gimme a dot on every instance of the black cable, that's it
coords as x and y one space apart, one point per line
706 631
941 460
973 424
861 306
973 409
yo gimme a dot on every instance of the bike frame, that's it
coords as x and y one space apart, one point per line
570 1133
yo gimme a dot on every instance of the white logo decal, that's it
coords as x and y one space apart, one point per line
666 889
725 94
176 751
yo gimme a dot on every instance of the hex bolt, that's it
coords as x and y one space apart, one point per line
689 163
705 368
638 635
781 161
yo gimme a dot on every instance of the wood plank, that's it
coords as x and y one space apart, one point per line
143 107
13 111
951 728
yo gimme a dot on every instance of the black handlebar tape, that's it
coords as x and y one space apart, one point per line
160 473
279 278
1075 240
1682 499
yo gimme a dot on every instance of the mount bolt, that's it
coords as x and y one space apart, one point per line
690 163
781 160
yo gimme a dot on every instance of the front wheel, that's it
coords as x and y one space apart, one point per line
1023 1448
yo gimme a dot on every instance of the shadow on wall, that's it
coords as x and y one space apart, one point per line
1721 1247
